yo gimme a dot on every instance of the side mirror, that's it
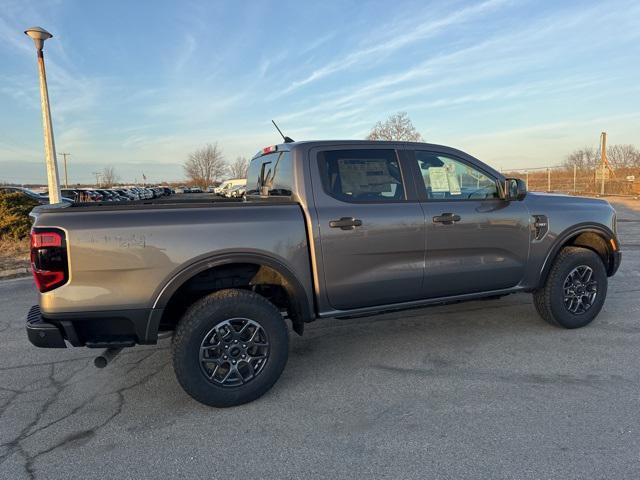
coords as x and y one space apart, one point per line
515 189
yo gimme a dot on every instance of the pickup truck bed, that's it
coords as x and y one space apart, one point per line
132 270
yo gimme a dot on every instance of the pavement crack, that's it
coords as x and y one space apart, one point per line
32 428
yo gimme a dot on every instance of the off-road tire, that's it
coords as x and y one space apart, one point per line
200 319
549 300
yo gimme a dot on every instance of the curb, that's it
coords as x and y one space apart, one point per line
16 272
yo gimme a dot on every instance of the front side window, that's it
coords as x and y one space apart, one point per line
446 178
361 175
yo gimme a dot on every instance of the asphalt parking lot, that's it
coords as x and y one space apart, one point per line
477 390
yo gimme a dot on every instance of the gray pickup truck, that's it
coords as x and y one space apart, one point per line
329 229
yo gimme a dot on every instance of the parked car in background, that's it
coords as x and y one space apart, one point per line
143 193
160 192
108 195
71 193
129 195
42 199
195 190
78 195
223 188
93 195
236 192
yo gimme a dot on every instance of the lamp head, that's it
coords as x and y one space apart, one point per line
39 35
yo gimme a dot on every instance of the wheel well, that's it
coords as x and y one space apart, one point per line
595 242
261 279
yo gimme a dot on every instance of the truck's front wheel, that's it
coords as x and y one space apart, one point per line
230 348
575 289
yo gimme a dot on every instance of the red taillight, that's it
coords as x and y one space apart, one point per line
46 239
48 258
46 280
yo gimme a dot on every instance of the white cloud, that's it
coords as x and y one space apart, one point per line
422 28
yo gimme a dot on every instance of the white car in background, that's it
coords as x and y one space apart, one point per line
227 185
236 192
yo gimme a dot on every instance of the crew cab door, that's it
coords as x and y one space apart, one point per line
371 230
475 240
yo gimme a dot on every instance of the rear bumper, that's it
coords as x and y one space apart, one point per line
42 333
123 328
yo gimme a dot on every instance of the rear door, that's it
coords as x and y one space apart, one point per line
371 226
476 241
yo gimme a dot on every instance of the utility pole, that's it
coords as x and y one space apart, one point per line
66 178
39 35
603 157
548 179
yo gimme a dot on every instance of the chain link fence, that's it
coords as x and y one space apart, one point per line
577 181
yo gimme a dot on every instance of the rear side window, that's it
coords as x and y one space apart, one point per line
361 175
271 175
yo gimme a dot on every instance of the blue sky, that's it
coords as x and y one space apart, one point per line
138 85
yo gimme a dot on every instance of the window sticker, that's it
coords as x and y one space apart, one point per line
438 178
454 183
358 176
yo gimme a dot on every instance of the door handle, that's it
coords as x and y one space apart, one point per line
446 218
345 223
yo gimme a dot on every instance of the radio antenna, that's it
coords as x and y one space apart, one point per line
286 139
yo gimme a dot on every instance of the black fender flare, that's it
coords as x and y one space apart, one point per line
573 231
303 310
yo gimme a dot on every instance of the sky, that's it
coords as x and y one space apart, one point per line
139 85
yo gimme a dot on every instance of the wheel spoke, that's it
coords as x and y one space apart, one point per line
258 357
213 374
255 332
226 377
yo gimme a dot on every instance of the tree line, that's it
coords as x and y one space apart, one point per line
619 156
207 166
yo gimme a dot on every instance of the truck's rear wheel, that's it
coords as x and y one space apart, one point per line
575 289
230 348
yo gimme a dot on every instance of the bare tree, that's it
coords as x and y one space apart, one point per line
205 165
238 169
619 156
583 158
109 177
396 127
623 156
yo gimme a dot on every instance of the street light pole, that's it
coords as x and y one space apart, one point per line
39 35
